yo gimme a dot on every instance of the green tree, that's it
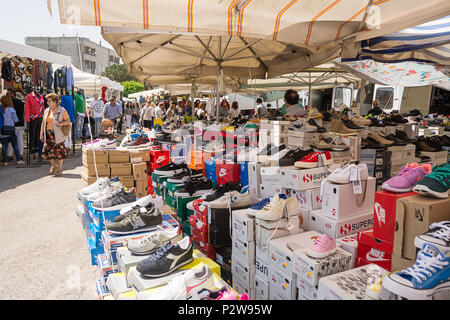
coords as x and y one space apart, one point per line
118 73
132 87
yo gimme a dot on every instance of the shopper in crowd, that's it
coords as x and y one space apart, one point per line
158 113
113 112
52 134
128 113
7 131
293 109
97 108
201 112
171 113
261 110
80 112
223 110
135 113
19 126
188 108
234 111
376 110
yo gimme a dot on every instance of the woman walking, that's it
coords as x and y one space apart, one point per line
54 130
8 131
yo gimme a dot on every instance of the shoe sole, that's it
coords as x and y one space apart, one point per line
153 228
167 173
137 253
411 293
118 207
238 206
196 194
385 186
168 272
318 148
309 165
320 255
422 189
418 243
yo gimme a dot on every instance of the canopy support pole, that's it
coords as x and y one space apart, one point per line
309 93
219 69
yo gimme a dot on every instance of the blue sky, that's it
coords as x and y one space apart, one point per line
22 18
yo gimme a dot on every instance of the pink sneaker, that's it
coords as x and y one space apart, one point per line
228 295
323 247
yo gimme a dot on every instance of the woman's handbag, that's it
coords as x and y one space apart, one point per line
65 129
8 131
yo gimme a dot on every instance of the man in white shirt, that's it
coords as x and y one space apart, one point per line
158 112
261 109
96 107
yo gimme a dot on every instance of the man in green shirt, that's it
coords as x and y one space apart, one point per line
80 108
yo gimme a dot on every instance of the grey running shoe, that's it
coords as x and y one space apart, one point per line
153 241
116 200
143 219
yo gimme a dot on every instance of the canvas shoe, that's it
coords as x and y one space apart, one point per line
429 274
115 201
272 211
186 285
435 184
167 259
323 247
342 175
153 241
138 220
409 175
300 126
143 202
170 170
438 235
254 209
312 160
233 199
195 187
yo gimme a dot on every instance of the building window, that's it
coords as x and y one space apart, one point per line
89 51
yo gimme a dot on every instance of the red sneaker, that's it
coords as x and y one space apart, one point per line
312 160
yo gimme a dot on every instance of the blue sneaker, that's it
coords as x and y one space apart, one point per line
260 205
430 274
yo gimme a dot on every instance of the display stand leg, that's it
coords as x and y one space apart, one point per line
28 163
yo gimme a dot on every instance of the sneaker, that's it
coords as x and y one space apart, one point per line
170 170
337 144
429 274
233 199
299 126
184 175
409 175
337 126
140 142
254 209
104 144
381 140
323 247
272 211
221 190
153 241
313 113
115 201
435 184
144 219
312 160
186 285
207 294
143 202
195 187
292 156
322 145
98 185
438 235
106 192
265 155
167 259
342 175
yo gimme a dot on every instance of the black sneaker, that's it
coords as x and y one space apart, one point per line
351 125
167 259
402 136
314 124
398 119
292 156
221 190
276 149
115 201
170 170
137 220
194 188
184 175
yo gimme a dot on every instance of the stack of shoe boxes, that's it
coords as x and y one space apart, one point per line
400 156
200 231
158 158
88 173
119 162
270 181
227 171
243 252
139 161
378 164
275 132
437 158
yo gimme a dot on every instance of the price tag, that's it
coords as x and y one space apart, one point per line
357 187
354 174
322 160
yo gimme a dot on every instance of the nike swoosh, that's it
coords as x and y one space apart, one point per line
370 258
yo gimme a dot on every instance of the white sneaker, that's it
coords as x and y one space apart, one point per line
103 194
234 199
143 202
273 210
185 285
343 175
299 126
98 185
153 241
104 144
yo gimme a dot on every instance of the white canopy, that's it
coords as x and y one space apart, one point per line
147 93
16 49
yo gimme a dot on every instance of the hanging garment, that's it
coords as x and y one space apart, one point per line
49 81
6 70
68 104
36 72
70 79
34 106
104 94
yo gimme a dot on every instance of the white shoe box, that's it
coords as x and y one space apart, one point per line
243 225
244 251
305 290
307 199
254 180
311 269
339 202
350 244
340 228
281 250
275 294
265 230
243 271
262 264
269 190
300 180
270 176
117 284
126 259
261 289
140 283
303 219
349 285
241 286
286 286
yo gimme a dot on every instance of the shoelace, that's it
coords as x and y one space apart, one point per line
425 265
442 175
405 170
156 235
160 253
443 232
336 140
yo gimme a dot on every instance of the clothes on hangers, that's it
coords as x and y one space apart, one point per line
70 78
6 70
49 78
69 105
36 72
34 106
60 78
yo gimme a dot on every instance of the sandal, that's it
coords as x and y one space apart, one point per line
58 173
52 170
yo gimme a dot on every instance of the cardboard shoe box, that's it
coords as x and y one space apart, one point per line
278 281
281 250
296 179
340 202
261 289
240 269
139 171
127 181
413 216
121 169
244 250
243 225
141 188
87 156
311 269
102 169
305 290
372 250
350 284
307 199
340 228
139 156
265 230
270 176
119 156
